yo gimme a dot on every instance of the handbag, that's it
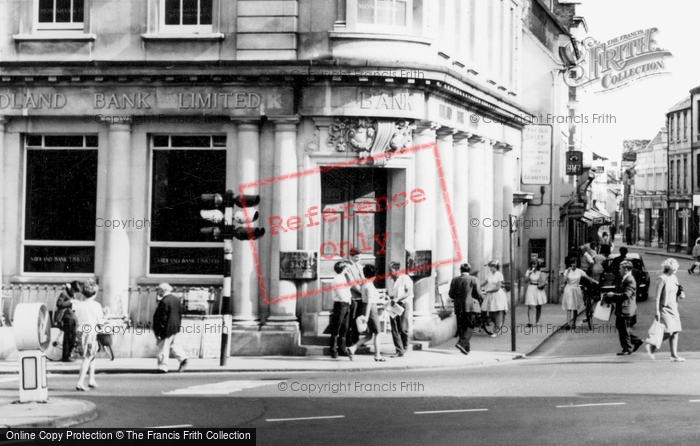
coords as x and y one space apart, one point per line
361 323
656 334
603 311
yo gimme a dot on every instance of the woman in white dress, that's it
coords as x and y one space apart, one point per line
667 294
495 300
535 295
572 301
89 314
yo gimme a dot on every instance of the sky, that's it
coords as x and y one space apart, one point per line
639 109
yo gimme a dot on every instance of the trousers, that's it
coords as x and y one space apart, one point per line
165 347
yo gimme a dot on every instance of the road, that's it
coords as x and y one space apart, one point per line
573 391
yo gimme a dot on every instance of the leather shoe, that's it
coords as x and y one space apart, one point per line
624 353
183 366
462 349
637 345
397 355
334 355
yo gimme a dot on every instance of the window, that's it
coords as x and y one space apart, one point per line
60 204
382 14
184 168
670 173
187 16
685 126
59 14
685 173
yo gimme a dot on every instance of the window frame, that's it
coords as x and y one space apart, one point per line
185 29
52 243
53 26
170 244
376 28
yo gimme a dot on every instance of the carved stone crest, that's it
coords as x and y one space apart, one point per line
370 138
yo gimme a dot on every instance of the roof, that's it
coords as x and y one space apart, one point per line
682 105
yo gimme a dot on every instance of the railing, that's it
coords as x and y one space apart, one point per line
140 302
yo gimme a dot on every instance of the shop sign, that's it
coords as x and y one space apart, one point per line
537 154
575 211
574 162
684 213
418 263
301 265
141 101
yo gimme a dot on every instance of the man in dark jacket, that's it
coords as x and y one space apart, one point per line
466 294
65 318
166 325
625 301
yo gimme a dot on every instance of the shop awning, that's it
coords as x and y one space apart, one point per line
595 216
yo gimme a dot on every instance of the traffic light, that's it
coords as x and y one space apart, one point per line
227 224
215 215
242 226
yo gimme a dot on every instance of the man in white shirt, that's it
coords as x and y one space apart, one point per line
341 310
400 293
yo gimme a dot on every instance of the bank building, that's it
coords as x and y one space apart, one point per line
395 127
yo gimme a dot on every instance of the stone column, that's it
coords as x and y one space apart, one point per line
115 261
498 214
444 214
284 205
3 123
487 205
245 264
509 177
460 196
476 230
424 228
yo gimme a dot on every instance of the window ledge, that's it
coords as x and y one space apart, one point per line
44 278
378 36
179 281
44 36
184 36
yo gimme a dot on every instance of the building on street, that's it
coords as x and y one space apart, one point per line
680 192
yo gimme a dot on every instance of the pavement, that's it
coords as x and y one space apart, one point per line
63 412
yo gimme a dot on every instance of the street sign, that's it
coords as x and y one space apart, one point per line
575 210
574 162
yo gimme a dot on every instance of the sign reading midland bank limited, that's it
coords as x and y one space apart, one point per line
233 101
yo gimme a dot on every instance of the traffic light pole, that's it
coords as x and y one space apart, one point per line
226 302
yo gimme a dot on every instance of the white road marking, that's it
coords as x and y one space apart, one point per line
222 388
694 401
9 379
591 405
306 418
451 411
169 427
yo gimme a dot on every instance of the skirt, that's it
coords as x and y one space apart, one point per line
670 319
535 296
88 342
573 298
373 322
496 301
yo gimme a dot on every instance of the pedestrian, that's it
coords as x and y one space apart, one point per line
401 293
90 317
66 319
495 302
587 255
572 300
668 291
606 245
370 299
341 311
625 300
355 277
535 295
465 292
696 256
613 233
166 326
628 234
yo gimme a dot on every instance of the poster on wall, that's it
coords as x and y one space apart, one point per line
537 154
298 265
418 263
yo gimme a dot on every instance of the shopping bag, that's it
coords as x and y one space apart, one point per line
656 334
361 323
602 311
393 309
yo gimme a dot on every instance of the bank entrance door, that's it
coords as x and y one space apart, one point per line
350 195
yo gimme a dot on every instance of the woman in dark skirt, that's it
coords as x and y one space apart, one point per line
370 298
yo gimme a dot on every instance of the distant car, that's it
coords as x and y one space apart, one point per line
639 272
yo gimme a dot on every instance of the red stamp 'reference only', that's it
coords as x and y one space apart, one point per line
277 224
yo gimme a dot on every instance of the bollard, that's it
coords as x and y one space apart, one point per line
32 330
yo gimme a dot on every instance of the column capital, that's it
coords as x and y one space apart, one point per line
475 140
446 132
245 120
294 119
460 137
122 124
4 120
501 147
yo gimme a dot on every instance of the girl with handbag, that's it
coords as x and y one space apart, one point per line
535 296
370 298
668 291
496 301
